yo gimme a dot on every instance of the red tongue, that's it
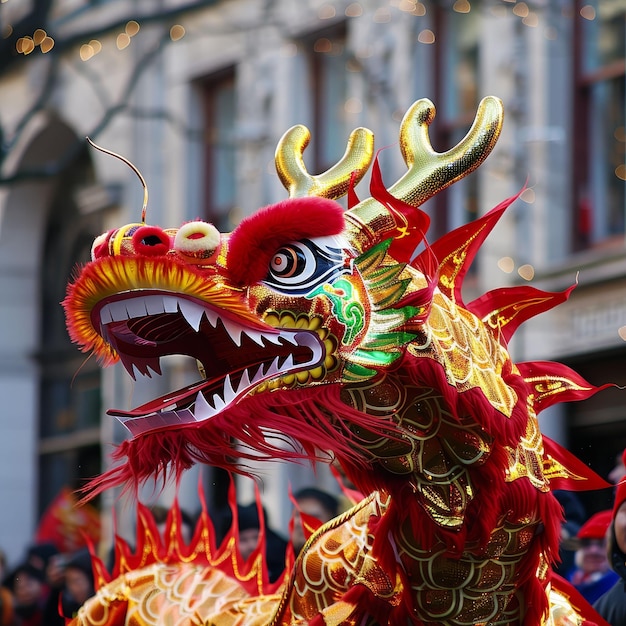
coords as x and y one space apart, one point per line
170 400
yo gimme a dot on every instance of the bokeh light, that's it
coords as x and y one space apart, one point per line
506 264
527 271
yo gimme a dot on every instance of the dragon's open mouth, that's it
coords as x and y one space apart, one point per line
142 327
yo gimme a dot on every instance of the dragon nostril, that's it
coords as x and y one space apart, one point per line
151 240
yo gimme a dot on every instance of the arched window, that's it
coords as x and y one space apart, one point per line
69 418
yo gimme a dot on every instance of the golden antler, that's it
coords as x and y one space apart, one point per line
428 171
333 183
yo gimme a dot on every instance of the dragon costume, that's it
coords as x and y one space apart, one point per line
344 333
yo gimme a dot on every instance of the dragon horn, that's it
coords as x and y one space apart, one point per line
335 182
428 171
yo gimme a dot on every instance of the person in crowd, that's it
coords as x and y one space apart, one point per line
160 514
592 575
79 582
30 593
612 604
574 517
6 598
249 527
34 594
321 505
619 471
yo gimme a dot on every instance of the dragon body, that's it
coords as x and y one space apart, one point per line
344 332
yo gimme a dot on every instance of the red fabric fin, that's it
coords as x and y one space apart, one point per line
309 523
565 471
576 601
504 310
457 249
411 222
353 495
553 382
353 199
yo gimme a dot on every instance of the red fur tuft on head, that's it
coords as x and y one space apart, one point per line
259 236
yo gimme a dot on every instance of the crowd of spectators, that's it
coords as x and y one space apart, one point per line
48 586
45 587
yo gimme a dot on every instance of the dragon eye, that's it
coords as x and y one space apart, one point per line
290 262
301 266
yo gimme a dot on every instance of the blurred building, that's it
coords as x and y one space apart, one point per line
197 94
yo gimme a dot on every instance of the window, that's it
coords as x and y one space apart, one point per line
70 411
220 150
599 133
328 58
457 94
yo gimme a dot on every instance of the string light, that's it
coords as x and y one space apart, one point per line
354 10
426 36
47 44
462 6
588 12
532 20
25 45
527 272
39 35
89 50
122 41
521 9
506 264
177 32
86 52
131 28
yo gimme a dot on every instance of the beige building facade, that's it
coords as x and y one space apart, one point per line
197 95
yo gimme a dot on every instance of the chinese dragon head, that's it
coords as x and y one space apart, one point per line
345 333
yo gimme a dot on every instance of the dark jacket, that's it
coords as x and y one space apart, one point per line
612 605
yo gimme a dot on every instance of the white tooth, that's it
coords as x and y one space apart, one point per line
105 314
256 336
154 305
273 368
128 365
229 392
211 316
136 308
192 312
118 311
258 375
272 338
290 337
288 364
218 402
244 383
203 410
170 304
234 330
